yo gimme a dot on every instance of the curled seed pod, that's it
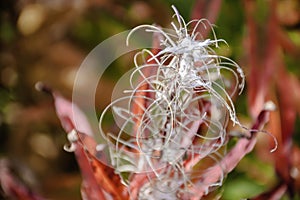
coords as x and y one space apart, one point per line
177 114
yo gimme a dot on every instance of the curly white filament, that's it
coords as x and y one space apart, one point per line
185 106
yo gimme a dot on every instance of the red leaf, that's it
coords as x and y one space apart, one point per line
268 70
274 194
12 187
230 161
99 181
262 59
208 10
140 103
69 114
287 104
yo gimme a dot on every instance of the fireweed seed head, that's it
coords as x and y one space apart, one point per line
194 62
175 110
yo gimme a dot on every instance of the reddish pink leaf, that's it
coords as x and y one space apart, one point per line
267 71
12 187
69 114
287 104
274 194
230 161
208 10
71 117
90 188
99 180
140 103
262 60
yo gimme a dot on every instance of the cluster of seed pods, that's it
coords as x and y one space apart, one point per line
175 112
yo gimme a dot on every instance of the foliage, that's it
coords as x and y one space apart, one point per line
263 36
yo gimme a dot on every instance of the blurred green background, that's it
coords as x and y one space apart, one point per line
46 41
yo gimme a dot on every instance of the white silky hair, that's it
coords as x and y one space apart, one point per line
187 71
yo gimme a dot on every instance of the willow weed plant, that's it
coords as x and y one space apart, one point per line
173 122
176 111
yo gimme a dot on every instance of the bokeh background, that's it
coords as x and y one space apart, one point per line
46 40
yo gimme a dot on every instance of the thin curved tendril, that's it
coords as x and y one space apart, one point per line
187 76
151 27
